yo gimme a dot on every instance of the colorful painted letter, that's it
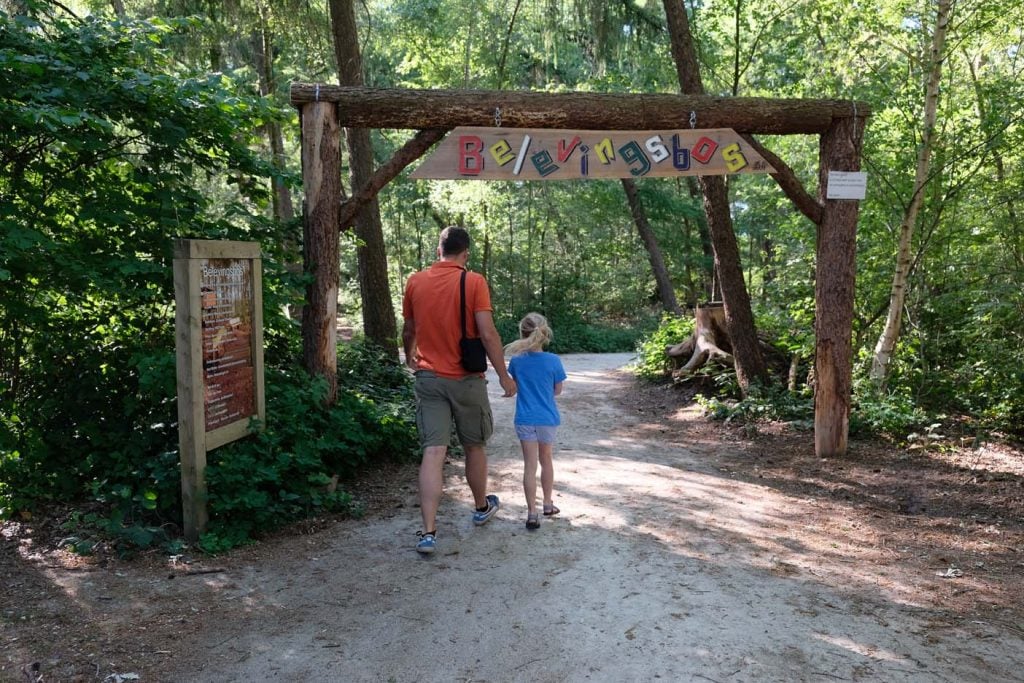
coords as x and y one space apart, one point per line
680 155
704 149
734 159
632 154
502 152
565 152
543 163
605 151
522 155
656 147
471 162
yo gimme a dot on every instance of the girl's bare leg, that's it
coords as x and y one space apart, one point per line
547 472
530 474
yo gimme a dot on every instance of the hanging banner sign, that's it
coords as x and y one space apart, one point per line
471 153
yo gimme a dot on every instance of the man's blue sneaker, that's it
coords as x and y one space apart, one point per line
426 544
484 516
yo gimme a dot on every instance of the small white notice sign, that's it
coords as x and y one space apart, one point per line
846 185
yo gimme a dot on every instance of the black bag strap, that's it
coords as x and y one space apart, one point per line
462 302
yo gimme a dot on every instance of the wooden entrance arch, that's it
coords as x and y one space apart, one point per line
326 109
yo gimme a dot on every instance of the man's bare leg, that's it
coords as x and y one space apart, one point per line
476 473
431 485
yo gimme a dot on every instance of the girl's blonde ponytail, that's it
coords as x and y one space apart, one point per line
534 333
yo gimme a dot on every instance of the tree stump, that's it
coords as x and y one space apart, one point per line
708 341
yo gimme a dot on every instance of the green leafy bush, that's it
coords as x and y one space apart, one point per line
652 363
773 403
890 413
292 468
104 152
575 334
107 152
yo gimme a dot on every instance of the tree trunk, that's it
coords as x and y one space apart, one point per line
408 153
378 311
485 264
709 289
708 341
421 109
531 221
505 44
666 292
511 269
281 196
262 44
321 175
739 318
880 365
768 266
833 292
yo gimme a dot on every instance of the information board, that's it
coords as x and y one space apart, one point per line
228 368
219 351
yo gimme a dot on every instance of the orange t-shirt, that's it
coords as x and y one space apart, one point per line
431 301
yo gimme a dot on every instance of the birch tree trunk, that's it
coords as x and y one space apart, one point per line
881 363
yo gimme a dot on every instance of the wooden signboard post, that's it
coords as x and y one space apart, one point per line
219 342
472 153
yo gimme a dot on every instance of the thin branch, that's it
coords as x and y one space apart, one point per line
65 8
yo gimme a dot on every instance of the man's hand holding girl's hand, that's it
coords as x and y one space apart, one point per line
509 385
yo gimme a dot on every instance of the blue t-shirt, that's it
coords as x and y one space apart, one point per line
536 374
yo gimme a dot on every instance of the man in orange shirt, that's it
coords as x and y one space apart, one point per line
444 390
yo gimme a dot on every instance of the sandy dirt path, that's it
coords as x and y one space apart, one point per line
661 566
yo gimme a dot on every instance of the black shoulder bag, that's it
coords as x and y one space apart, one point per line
474 356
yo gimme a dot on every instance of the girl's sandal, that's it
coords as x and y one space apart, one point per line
550 510
532 522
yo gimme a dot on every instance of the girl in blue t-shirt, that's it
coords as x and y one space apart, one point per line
539 376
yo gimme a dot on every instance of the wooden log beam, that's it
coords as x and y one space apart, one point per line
363 107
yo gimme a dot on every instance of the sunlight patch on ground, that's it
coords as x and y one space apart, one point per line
589 378
711 517
872 651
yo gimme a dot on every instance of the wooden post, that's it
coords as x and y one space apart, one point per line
191 424
321 177
834 290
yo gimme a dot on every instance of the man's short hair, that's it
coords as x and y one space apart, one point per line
454 240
